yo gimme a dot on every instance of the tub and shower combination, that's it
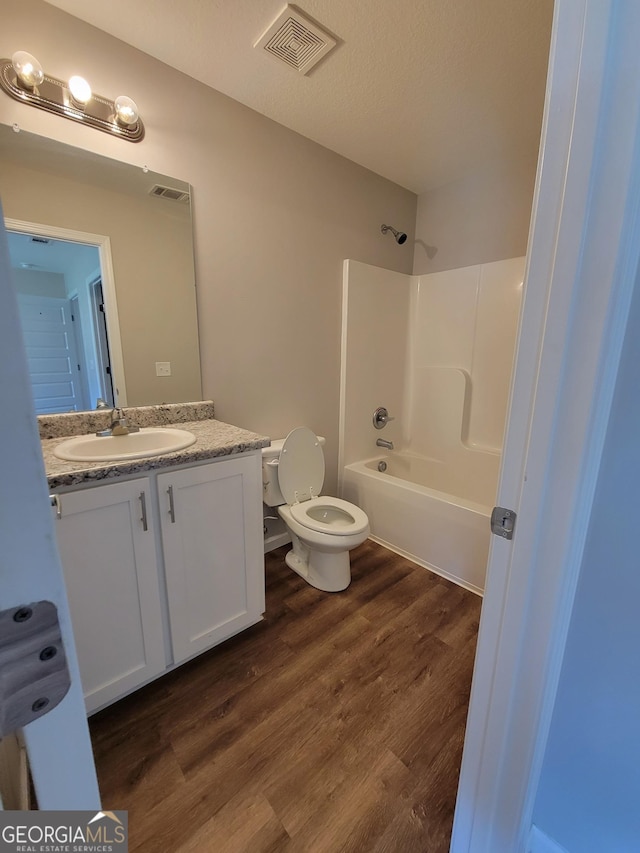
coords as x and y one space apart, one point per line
436 351
425 510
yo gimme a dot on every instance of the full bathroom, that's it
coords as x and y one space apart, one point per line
324 299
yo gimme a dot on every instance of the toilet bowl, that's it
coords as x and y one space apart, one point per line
323 529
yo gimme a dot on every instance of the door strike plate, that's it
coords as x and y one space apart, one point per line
502 522
34 676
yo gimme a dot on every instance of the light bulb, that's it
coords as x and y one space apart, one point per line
80 89
126 110
27 68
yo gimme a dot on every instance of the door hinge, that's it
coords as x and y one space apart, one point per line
503 521
34 676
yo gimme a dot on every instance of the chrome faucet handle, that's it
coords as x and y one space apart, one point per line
118 422
381 417
119 425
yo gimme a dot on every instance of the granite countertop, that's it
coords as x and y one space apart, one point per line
213 440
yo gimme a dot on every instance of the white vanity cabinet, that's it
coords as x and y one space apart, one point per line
160 568
211 525
111 572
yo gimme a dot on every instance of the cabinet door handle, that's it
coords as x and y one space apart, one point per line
143 504
172 509
55 501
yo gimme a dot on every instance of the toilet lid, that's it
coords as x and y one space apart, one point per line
301 466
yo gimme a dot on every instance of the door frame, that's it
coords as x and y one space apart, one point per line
103 245
582 264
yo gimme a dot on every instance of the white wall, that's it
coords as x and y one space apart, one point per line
482 217
589 789
39 282
437 350
275 216
464 331
374 356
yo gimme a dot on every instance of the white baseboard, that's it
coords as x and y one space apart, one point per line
541 843
436 571
275 541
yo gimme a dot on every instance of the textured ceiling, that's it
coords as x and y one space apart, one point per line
419 91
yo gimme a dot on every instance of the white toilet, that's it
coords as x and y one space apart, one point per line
323 529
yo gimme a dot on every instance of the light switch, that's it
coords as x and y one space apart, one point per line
163 368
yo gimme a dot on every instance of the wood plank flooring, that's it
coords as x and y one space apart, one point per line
334 725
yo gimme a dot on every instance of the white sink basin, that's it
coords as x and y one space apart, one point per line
151 441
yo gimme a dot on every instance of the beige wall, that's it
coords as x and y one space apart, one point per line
481 218
151 250
275 216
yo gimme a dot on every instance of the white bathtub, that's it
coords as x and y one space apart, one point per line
429 512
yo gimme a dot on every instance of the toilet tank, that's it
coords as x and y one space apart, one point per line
271 494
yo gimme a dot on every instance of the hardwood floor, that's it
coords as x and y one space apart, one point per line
334 725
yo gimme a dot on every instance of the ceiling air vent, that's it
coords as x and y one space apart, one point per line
295 40
169 192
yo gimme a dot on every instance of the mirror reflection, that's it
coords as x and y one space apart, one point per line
102 254
61 307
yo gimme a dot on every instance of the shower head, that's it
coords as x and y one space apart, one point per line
399 235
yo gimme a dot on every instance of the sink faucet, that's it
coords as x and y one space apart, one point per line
118 425
382 442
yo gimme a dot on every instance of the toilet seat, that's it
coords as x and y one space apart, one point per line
301 475
330 515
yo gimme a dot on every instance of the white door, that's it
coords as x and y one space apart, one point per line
107 546
213 550
58 743
584 254
83 361
52 357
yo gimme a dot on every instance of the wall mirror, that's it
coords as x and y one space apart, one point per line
103 265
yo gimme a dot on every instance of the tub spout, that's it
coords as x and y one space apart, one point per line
382 442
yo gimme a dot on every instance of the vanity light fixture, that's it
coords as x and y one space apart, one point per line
80 90
28 70
22 78
126 110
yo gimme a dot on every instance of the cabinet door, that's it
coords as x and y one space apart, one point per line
214 559
111 573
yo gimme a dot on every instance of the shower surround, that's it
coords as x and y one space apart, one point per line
437 351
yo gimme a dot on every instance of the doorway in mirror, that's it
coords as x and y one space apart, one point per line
58 284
